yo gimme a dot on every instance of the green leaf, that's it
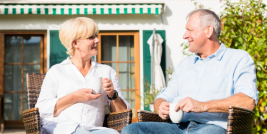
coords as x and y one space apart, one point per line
263 104
233 36
240 40
261 94
259 64
258 128
257 114
265 116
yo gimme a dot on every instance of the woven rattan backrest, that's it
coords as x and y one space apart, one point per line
240 121
34 82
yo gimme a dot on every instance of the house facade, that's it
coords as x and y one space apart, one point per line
29 42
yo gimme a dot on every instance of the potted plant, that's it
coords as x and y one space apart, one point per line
150 95
150 92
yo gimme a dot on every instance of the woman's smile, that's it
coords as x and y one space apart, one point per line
94 48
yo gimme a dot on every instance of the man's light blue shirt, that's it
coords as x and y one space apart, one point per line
219 76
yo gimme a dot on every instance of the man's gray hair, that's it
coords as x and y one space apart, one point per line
207 18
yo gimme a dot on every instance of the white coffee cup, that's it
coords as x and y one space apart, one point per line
95 83
175 116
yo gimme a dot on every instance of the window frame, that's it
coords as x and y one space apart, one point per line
43 69
136 62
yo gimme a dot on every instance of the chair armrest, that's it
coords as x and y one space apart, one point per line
146 116
118 120
31 119
240 120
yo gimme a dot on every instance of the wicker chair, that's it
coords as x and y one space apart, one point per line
240 120
31 118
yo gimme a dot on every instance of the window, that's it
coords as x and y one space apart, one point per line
120 50
23 52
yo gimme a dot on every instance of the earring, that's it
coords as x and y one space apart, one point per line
78 49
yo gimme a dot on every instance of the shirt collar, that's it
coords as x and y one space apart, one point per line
93 63
68 61
196 58
218 54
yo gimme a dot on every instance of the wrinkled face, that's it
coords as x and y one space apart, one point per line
194 34
88 47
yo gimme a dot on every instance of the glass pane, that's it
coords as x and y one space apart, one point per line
113 65
126 48
126 75
12 77
29 69
129 96
12 106
25 107
32 49
108 48
132 102
13 49
125 95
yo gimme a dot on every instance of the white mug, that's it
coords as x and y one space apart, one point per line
175 116
95 83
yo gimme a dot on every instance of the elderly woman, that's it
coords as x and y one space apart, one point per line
66 104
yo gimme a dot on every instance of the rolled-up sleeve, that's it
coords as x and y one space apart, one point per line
245 78
47 99
171 91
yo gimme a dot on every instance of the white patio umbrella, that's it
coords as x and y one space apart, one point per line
157 77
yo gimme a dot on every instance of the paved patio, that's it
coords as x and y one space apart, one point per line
14 131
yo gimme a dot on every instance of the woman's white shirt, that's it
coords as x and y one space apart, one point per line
63 79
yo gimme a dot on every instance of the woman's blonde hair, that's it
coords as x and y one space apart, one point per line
74 29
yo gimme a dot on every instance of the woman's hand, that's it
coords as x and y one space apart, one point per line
85 95
108 87
116 104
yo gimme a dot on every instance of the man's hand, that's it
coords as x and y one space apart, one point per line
164 110
190 105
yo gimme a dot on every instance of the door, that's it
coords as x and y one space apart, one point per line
120 50
23 53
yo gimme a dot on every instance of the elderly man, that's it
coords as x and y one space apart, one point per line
204 85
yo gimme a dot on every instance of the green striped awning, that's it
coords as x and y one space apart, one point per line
80 9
